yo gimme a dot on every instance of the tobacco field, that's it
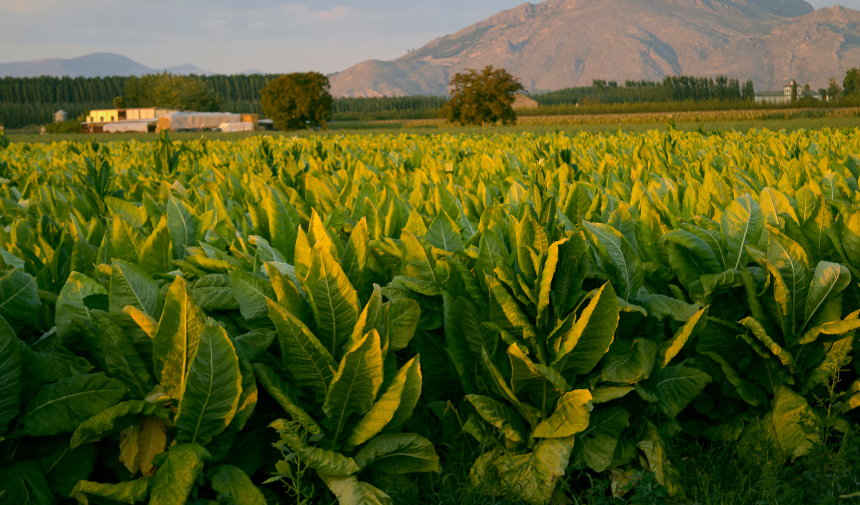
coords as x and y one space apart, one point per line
323 320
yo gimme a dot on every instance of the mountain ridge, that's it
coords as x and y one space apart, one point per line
90 65
561 43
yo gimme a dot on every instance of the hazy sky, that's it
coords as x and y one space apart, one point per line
229 36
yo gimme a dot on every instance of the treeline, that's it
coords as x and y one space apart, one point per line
20 115
87 90
673 88
381 108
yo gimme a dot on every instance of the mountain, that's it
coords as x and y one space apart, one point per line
90 65
561 43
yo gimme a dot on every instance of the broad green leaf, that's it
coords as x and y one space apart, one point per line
756 328
136 216
283 223
409 397
60 407
444 233
416 262
252 292
184 226
213 292
280 393
51 366
129 285
155 254
499 415
571 269
629 362
403 317
122 360
654 450
625 265
11 375
570 416
701 253
350 491
178 470
383 410
547 276
751 393
773 203
66 466
19 296
741 224
234 487
355 256
133 491
333 300
125 240
533 477
213 387
542 383
304 357
175 341
353 388
670 348
399 453
660 307
114 419
70 304
796 423
828 280
677 386
588 340
791 262
24 484
595 446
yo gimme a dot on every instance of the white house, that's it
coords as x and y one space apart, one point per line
784 96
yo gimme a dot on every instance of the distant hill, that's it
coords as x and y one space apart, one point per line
562 43
90 65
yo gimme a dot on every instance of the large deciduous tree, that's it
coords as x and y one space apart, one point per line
852 81
482 97
299 100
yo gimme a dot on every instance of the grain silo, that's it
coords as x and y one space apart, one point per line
60 116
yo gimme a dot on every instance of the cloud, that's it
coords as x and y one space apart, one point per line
339 12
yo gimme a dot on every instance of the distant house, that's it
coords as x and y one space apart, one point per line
524 102
784 96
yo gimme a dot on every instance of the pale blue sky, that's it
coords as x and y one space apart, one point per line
233 36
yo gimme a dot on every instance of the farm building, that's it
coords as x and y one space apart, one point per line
152 119
124 120
784 96
524 102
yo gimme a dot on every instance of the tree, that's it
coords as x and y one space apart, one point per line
851 84
833 88
183 92
822 92
749 90
296 101
482 97
793 91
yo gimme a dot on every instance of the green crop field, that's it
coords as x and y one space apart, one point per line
518 318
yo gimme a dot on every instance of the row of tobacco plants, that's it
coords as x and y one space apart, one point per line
285 320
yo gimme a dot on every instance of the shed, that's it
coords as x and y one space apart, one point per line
524 102
60 116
